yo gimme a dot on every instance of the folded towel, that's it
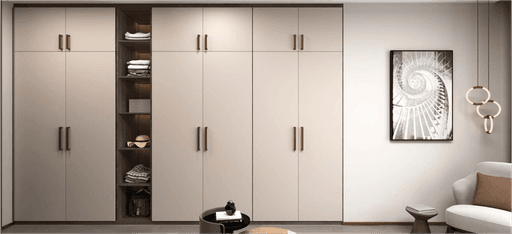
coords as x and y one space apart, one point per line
138 67
138 34
138 75
137 39
138 62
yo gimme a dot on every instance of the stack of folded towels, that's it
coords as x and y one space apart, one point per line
139 174
138 68
139 36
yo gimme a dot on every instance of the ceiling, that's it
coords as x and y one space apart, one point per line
250 1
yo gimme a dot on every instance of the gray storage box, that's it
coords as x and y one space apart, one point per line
139 105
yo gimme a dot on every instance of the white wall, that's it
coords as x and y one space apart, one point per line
7 113
382 177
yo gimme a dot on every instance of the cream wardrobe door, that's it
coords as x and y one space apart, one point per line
177 156
275 28
91 29
320 150
39 112
177 29
227 160
321 27
227 28
38 29
275 160
90 114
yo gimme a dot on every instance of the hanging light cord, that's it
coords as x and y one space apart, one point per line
477 47
488 48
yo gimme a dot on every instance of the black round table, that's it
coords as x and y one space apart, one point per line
230 227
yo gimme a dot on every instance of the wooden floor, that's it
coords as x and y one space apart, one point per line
195 228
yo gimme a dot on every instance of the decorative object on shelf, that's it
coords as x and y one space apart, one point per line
130 144
421 95
142 138
137 36
139 203
230 207
488 119
138 174
139 105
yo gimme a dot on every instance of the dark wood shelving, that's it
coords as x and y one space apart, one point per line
134 149
134 184
135 113
131 18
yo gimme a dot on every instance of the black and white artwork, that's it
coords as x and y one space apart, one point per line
421 95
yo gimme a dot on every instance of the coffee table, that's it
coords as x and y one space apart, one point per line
230 227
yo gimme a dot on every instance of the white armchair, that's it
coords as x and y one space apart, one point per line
465 217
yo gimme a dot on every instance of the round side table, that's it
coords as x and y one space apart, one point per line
421 220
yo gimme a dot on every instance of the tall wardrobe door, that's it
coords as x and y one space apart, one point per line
272 36
90 114
177 29
275 160
38 29
91 29
320 149
227 172
177 151
321 27
228 29
39 111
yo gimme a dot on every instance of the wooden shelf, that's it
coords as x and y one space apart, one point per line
129 113
134 184
140 80
134 149
128 42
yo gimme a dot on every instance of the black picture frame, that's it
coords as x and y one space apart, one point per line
421 95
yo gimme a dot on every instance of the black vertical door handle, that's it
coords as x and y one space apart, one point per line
198 138
67 138
205 41
302 138
60 42
60 138
205 138
294 138
68 45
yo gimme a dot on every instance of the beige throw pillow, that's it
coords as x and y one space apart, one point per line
493 192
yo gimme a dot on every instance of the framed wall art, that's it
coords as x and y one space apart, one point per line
421 95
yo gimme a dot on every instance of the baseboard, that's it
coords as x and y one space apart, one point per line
296 223
387 223
103 223
8 225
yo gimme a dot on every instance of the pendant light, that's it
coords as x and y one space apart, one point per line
478 86
489 118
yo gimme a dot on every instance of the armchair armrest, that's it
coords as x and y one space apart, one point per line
464 189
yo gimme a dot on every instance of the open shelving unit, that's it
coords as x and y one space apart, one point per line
130 125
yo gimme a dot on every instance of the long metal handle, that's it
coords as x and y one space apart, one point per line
294 138
68 46
198 42
198 138
205 41
294 41
301 41
67 138
60 138
60 42
205 138
301 138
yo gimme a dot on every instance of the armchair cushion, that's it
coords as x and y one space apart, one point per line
493 192
479 218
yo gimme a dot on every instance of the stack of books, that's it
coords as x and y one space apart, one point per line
421 208
223 217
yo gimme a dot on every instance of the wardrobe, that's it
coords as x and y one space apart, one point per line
202 110
245 106
297 114
64 114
